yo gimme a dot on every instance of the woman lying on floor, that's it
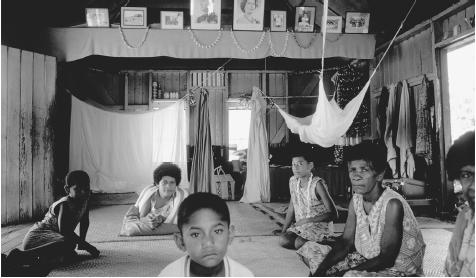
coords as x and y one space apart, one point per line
53 240
155 211
381 236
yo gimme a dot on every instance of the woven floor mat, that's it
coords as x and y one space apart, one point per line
105 223
261 254
436 241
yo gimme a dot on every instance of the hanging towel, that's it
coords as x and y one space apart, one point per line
405 134
391 110
257 175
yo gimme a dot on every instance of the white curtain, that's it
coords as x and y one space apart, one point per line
120 151
257 167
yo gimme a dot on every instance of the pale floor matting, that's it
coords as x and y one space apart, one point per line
254 247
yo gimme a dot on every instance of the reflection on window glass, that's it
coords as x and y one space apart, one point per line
238 133
461 89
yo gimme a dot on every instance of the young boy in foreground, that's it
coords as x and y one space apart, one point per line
205 233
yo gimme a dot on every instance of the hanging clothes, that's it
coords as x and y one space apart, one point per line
120 151
202 162
328 123
405 134
388 136
257 173
382 113
424 136
349 81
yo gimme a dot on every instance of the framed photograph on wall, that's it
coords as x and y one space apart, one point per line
248 15
356 22
305 17
97 17
171 20
334 24
278 21
205 14
133 17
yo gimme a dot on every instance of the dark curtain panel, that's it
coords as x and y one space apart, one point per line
202 161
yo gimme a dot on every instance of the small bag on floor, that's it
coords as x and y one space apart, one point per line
223 184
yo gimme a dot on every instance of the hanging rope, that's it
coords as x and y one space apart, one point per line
330 122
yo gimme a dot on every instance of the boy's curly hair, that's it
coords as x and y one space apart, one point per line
167 169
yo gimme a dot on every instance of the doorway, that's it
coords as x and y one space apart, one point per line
457 76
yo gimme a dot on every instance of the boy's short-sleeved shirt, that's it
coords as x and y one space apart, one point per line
181 268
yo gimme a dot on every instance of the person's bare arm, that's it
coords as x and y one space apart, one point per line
66 228
342 247
289 216
391 239
322 192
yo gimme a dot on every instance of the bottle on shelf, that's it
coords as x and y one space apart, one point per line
159 92
154 91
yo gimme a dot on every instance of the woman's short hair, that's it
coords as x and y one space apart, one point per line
460 154
374 154
78 177
167 169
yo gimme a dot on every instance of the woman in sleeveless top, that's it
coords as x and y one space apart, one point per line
381 236
53 239
311 207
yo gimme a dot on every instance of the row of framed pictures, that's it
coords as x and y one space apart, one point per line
247 15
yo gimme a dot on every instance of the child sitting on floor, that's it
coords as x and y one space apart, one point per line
53 240
205 233
310 206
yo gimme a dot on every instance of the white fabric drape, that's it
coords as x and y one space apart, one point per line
388 137
328 123
257 173
120 151
405 135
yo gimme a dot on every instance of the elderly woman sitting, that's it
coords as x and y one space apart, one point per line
155 211
381 236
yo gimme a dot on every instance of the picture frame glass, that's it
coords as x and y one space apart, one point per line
356 22
171 19
248 15
97 17
278 21
334 24
305 18
205 14
133 17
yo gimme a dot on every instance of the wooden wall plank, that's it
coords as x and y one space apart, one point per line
50 90
39 133
138 88
131 88
4 132
26 105
176 81
13 136
212 110
145 88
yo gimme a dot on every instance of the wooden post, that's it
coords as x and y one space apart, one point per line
126 91
150 90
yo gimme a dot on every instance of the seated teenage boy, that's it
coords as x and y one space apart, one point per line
205 233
